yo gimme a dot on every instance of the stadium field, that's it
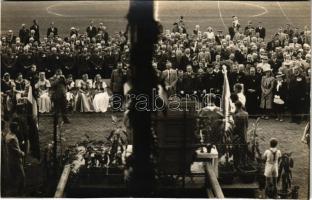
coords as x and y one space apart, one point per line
217 14
112 13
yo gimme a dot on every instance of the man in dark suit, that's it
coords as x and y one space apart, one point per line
170 78
260 30
186 59
253 92
15 159
297 89
52 29
240 134
117 81
91 30
24 34
35 27
58 96
189 80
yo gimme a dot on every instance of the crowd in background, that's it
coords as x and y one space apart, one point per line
274 71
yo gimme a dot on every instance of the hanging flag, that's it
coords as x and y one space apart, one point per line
33 102
226 93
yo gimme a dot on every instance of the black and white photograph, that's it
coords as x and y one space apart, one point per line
155 99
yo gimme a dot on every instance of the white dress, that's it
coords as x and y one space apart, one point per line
101 98
44 101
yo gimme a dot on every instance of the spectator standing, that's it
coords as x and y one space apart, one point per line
52 29
280 94
91 30
261 30
297 90
35 28
267 84
15 160
24 34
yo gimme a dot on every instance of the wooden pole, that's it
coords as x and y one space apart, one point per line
213 180
59 193
55 123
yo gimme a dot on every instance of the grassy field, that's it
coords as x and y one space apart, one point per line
205 13
99 126
112 13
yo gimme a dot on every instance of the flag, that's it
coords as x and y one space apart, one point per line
226 93
33 102
33 124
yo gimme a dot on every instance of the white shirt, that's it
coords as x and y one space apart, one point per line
241 98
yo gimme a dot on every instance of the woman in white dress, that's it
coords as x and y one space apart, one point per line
84 103
43 86
70 86
101 97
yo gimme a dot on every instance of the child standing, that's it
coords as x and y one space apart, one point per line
271 156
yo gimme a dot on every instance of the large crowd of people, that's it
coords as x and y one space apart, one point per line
274 71
267 75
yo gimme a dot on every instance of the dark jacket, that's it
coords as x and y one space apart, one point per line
117 81
91 31
50 30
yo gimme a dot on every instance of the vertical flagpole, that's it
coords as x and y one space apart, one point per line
144 32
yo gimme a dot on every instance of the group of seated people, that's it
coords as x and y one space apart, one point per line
186 62
83 95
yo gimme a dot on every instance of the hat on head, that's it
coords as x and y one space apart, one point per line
266 68
279 74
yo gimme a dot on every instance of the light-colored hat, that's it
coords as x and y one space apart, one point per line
266 67
279 74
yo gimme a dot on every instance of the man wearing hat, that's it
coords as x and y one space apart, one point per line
280 95
267 84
